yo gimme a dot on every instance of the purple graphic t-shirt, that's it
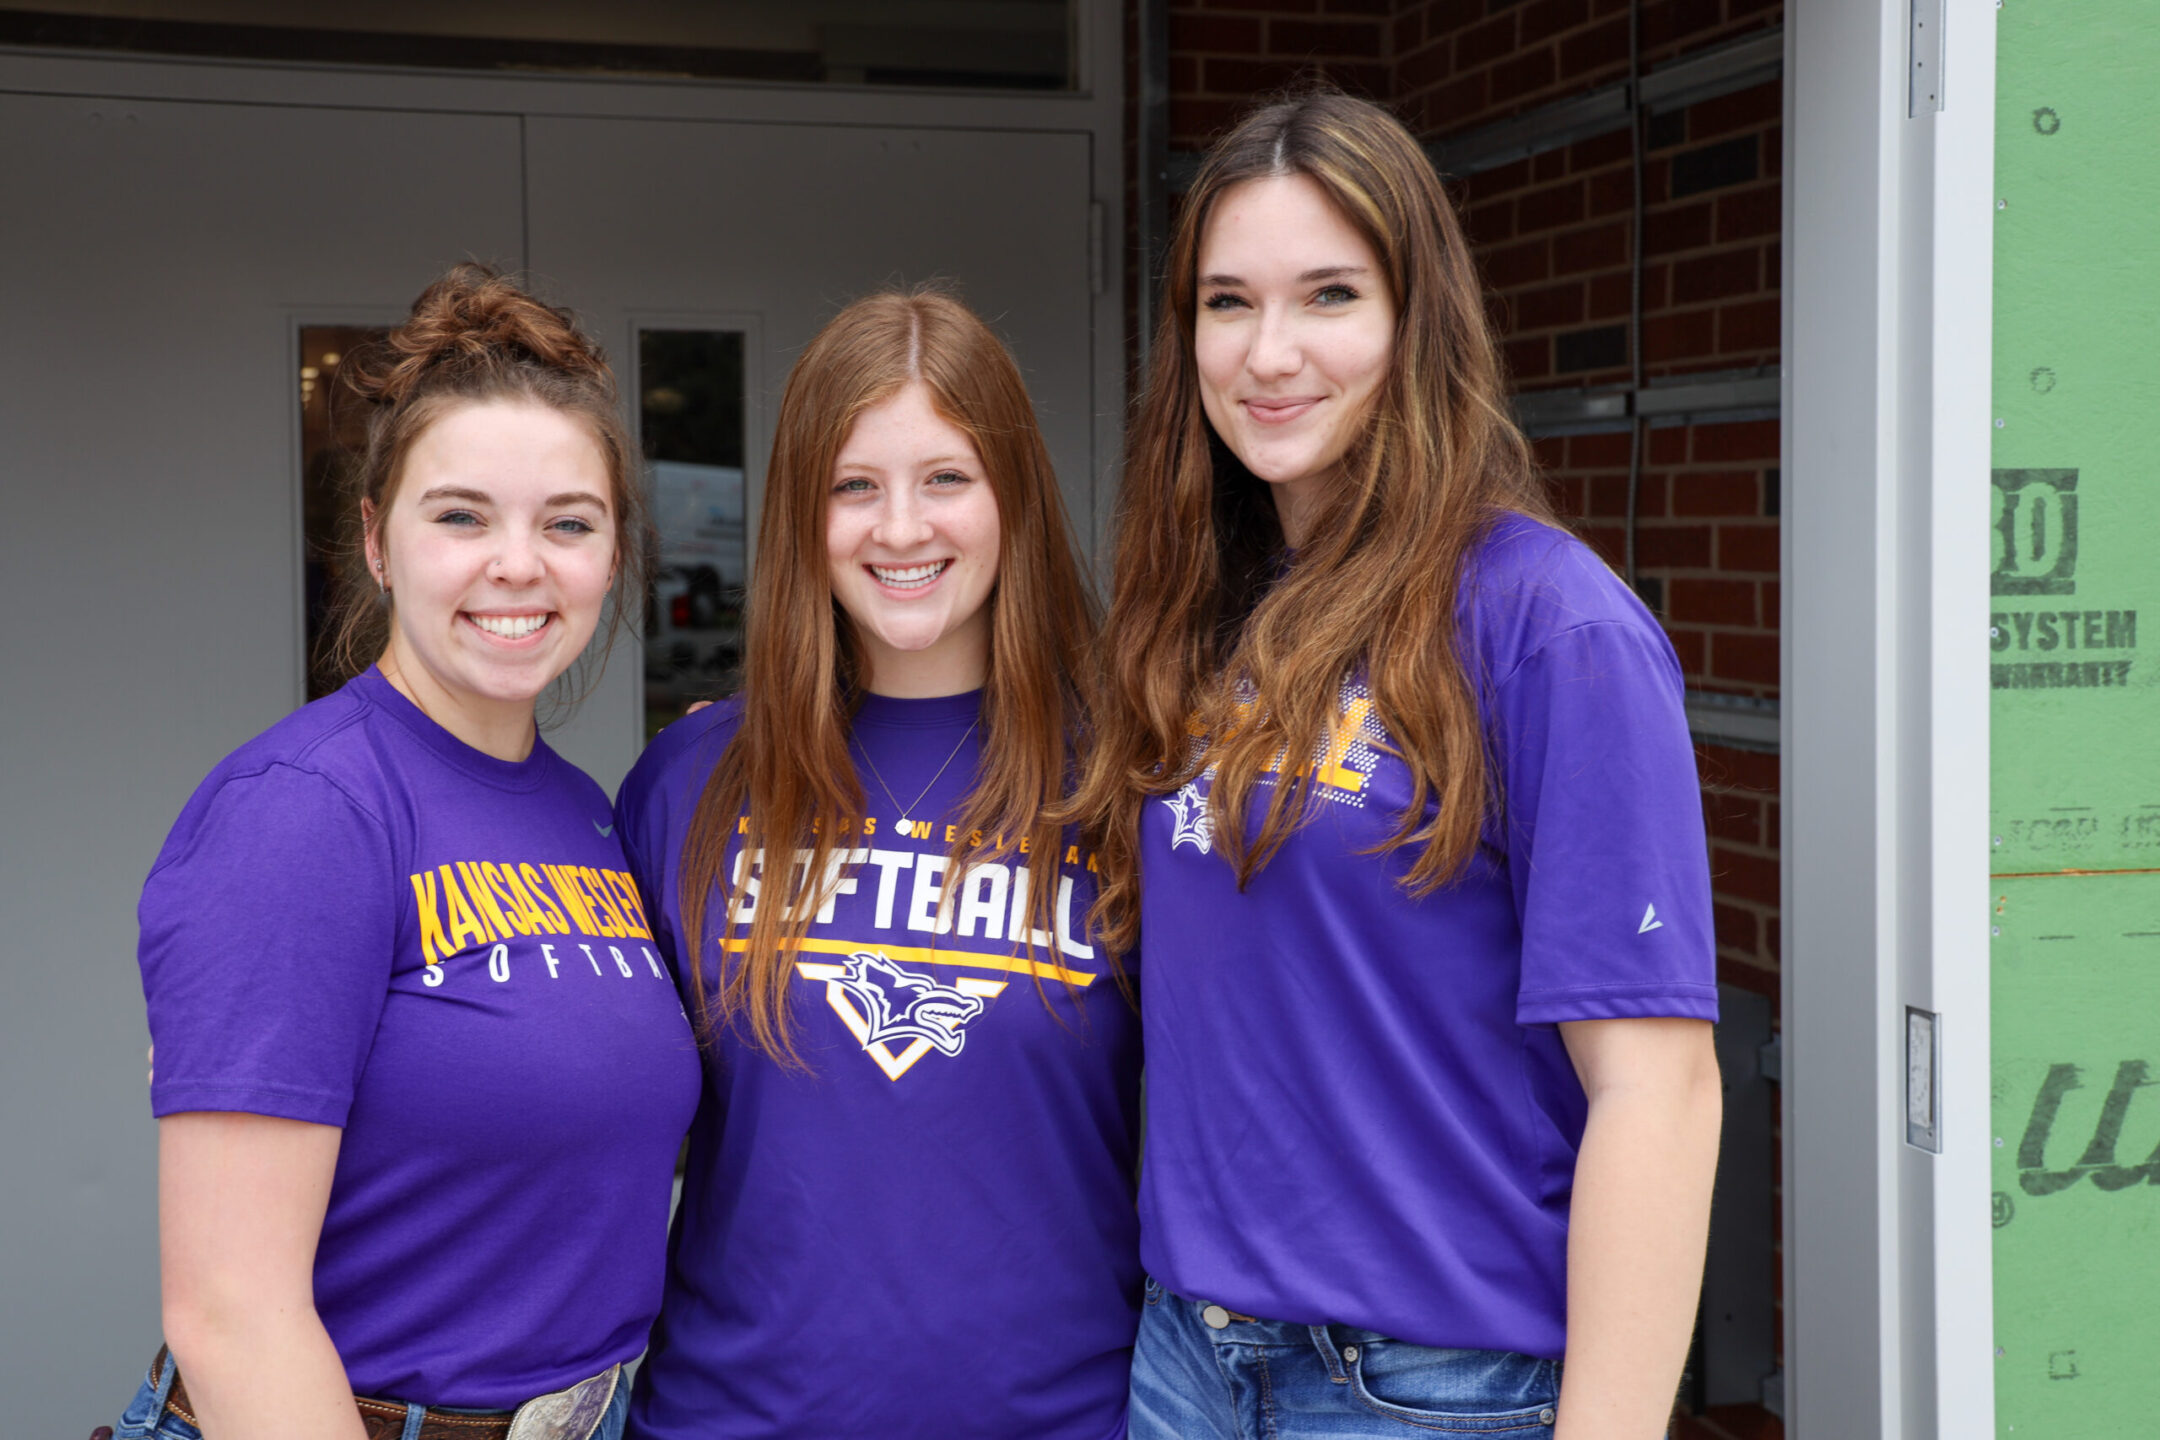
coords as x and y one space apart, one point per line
1359 1107
360 921
931 1232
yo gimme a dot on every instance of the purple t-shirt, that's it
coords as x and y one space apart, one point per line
360 921
1359 1107
932 1231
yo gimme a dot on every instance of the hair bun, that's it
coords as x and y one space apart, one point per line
472 320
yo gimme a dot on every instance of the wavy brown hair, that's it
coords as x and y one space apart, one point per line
787 777
475 336
1211 633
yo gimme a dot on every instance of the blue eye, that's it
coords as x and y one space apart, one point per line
457 517
855 485
1223 300
1335 295
572 525
950 477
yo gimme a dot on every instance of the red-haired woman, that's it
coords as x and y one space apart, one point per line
420 1077
1393 776
908 1204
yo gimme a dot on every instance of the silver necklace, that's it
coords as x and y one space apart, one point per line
907 824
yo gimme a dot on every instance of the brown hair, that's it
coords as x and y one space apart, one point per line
787 775
475 336
1203 605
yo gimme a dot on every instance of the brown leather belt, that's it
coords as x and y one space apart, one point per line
382 1419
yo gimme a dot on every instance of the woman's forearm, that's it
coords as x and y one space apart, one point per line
1636 1234
263 1376
240 1206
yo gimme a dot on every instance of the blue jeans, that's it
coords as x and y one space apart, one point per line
1270 1380
145 1417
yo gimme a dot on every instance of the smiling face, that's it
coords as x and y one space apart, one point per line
1293 335
498 546
911 541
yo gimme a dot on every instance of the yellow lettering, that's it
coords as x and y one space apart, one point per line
564 880
463 921
1072 854
434 944
1340 739
952 832
521 896
629 903
536 889
603 899
504 888
869 825
484 901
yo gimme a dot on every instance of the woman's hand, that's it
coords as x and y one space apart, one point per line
241 1200
1639 1221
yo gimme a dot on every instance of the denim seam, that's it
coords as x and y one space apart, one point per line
1451 1424
1448 1424
1191 1318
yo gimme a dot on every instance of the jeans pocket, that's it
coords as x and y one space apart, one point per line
1462 1392
141 1420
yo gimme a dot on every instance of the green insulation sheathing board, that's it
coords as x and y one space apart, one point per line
2076 719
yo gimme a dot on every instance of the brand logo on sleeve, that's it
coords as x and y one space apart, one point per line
1194 826
1649 921
883 1003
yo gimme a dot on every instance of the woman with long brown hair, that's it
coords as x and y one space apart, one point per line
1392 774
420 1077
908 1202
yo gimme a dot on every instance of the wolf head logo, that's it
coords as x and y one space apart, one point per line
898 1004
1195 827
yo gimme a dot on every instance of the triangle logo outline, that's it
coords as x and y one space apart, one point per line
1649 920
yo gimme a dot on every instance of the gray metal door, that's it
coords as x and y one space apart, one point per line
154 261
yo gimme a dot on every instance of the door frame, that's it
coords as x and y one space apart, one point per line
1888 262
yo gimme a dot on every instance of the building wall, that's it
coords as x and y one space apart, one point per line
1553 235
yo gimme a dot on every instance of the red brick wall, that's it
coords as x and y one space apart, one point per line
1224 53
1460 63
1553 235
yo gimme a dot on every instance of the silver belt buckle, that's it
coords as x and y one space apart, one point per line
571 1414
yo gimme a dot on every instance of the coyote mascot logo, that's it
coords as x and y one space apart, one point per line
928 1011
1195 827
896 1014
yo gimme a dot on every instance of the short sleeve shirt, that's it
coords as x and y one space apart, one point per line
929 1230
360 921
1359 1108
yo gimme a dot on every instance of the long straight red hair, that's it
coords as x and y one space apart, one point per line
1209 633
786 781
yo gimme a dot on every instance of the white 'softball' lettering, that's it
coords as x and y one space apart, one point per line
890 863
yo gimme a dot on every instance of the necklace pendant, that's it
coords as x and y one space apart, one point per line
907 826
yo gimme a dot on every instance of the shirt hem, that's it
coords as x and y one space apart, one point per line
1620 1002
312 1106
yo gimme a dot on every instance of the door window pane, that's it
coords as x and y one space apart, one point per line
333 427
690 419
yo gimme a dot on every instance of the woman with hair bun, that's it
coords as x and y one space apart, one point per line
908 1205
1394 778
420 1076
